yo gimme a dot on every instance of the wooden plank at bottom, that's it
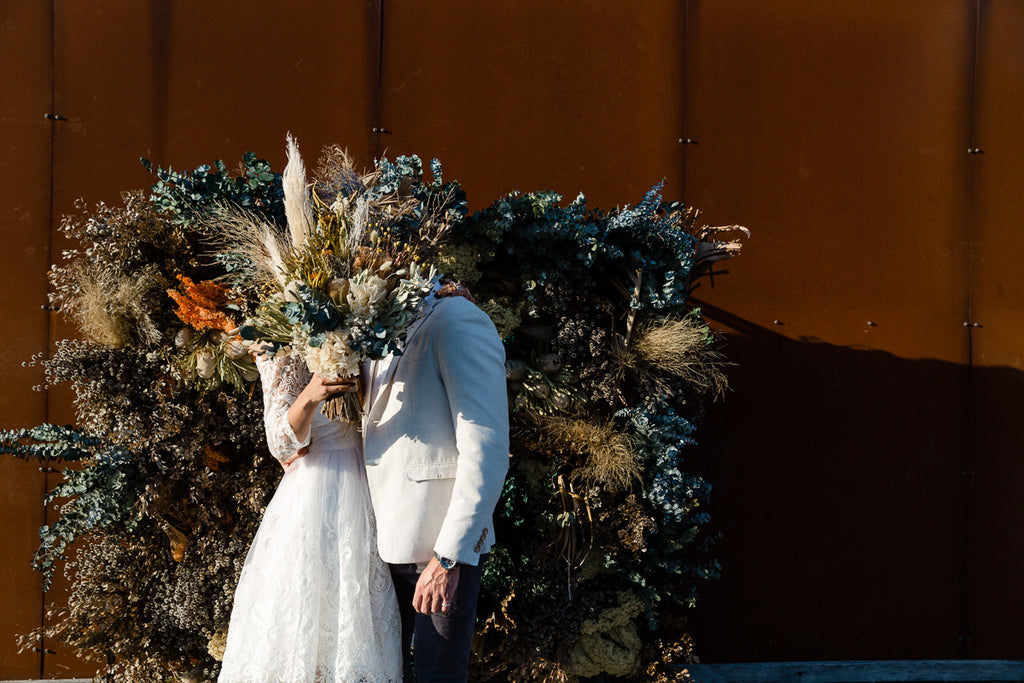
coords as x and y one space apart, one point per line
919 671
860 671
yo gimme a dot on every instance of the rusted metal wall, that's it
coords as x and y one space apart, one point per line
842 460
25 256
534 95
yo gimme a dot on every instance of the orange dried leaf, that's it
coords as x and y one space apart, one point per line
200 304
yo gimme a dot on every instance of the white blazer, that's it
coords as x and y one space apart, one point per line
436 437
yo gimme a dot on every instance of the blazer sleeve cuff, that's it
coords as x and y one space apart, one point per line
464 553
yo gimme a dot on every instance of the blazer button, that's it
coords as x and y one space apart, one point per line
480 543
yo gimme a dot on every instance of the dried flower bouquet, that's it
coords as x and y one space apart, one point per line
343 286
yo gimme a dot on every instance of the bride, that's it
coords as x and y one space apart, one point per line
314 603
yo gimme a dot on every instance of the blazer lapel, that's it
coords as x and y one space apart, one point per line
374 407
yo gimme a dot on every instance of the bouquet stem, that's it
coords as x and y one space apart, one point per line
346 407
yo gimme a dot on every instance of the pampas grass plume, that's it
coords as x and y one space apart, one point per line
296 197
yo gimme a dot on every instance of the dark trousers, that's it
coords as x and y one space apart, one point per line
436 647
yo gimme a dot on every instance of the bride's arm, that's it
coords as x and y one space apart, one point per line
283 379
291 396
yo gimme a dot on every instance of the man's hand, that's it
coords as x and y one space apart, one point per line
287 464
435 589
451 288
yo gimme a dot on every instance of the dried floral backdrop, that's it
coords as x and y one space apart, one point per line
604 539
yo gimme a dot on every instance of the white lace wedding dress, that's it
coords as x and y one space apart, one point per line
314 602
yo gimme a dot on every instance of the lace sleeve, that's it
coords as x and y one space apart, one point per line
283 379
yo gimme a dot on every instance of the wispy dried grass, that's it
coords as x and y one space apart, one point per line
676 348
110 307
336 175
609 456
248 235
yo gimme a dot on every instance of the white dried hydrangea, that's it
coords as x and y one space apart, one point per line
332 359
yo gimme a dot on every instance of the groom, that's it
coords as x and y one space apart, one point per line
435 431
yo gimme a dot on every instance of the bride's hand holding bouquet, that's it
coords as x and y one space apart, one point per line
319 390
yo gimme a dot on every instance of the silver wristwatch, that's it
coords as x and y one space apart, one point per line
446 563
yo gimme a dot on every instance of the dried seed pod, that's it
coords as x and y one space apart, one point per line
184 337
235 349
206 363
549 363
561 400
338 288
515 370
539 390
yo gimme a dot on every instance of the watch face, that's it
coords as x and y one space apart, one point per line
446 563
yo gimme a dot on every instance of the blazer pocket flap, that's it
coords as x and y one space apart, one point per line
425 471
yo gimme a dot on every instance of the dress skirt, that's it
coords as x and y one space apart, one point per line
314 602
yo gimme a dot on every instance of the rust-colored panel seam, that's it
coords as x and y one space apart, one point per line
970 326
684 94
